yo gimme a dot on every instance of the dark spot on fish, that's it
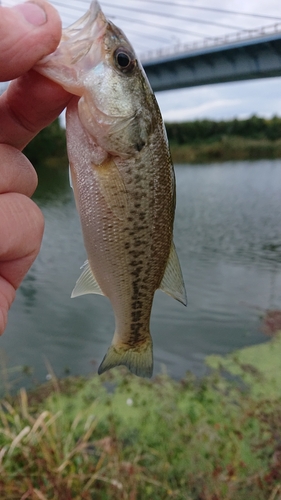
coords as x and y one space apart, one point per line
136 263
137 294
138 195
137 304
135 336
136 282
136 253
144 286
136 315
127 245
137 205
137 271
137 243
142 216
139 145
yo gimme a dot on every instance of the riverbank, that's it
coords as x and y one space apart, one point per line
226 149
201 141
118 436
206 141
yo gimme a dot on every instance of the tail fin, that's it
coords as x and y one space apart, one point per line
139 360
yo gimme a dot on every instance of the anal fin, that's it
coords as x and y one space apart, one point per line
86 283
172 282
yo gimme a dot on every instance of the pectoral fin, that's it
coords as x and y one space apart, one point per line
86 283
172 282
112 187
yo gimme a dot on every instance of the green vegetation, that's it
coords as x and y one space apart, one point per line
206 140
201 141
121 437
48 148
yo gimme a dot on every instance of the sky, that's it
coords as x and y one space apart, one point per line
154 24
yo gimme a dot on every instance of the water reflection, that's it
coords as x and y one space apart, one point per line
228 236
29 291
53 186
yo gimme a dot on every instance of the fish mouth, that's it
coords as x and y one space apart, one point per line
79 50
87 28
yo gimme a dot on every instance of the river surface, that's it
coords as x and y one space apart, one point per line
228 237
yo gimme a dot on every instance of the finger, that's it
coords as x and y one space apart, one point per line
30 104
7 296
17 173
27 32
21 229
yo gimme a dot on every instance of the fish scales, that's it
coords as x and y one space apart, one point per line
124 186
140 242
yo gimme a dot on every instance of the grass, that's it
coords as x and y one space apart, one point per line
120 437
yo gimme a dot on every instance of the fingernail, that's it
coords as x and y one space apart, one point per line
32 13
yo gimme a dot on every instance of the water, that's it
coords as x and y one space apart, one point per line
228 236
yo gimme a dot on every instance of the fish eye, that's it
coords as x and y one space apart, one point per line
124 59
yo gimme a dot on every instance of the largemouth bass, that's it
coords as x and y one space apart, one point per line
123 181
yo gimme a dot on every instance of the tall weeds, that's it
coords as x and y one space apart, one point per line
119 437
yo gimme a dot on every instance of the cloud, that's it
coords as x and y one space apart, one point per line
201 111
223 101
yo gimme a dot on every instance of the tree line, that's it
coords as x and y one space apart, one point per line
49 146
199 131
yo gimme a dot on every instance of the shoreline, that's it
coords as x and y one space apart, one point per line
119 436
226 149
191 142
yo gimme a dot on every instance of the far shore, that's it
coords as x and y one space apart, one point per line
198 142
226 149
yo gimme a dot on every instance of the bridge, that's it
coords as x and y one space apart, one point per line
244 55
234 56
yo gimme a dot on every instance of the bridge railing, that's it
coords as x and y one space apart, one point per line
227 39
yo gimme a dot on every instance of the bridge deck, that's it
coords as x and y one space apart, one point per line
238 60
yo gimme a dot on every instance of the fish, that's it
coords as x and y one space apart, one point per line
123 181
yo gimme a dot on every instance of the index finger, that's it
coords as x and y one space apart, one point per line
30 104
27 32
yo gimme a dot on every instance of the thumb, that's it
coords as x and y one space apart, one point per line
27 32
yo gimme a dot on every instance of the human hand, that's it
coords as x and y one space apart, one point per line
27 33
